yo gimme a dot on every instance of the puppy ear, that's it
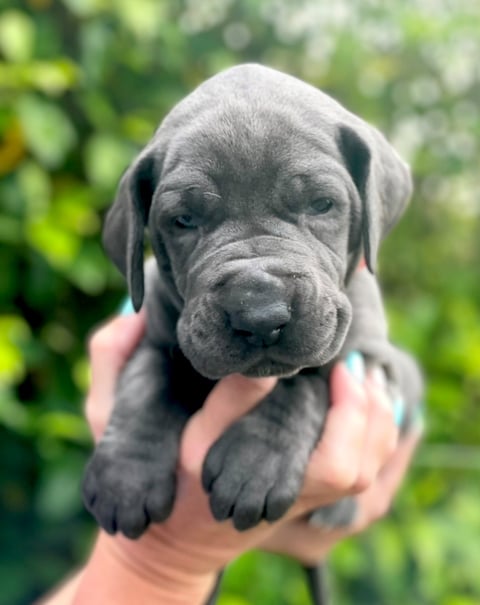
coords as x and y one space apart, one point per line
123 232
383 182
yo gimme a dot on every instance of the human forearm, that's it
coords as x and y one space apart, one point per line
111 577
63 594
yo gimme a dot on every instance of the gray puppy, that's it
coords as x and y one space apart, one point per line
260 195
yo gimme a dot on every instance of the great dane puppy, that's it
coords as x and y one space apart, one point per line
260 195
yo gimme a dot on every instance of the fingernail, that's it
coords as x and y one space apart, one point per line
377 374
398 410
126 307
378 378
356 365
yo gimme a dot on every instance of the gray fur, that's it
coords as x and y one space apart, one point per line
265 284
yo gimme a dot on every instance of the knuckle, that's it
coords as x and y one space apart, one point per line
392 444
99 341
363 481
339 475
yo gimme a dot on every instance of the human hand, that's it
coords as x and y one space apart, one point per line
177 560
381 466
190 546
384 465
300 539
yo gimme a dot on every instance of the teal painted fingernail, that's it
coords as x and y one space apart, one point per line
356 365
398 410
126 308
377 374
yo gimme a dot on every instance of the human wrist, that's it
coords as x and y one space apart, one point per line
120 575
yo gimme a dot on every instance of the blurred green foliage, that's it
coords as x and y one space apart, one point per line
83 84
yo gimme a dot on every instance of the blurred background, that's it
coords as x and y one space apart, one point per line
83 84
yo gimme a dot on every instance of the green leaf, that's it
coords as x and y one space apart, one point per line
49 133
58 246
63 425
143 18
12 413
54 77
14 332
17 36
35 186
106 157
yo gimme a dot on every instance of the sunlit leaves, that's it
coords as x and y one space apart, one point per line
13 332
50 77
17 36
49 133
106 157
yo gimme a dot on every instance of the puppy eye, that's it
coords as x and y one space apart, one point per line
322 205
185 221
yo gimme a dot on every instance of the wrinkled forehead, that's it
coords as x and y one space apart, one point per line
248 142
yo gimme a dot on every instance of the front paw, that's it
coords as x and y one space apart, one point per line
125 493
251 476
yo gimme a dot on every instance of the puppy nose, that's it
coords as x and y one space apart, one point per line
257 306
261 326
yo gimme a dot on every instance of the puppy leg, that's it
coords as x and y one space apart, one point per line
130 479
317 584
255 470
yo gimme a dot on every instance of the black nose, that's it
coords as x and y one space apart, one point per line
257 306
261 326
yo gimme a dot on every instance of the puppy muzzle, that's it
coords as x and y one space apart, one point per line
262 322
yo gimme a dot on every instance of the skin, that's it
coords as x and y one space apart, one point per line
176 562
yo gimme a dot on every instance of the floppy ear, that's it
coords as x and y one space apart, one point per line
123 231
383 181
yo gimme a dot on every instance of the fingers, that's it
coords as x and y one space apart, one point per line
334 465
393 472
375 502
381 466
109 348
231 398
359 437
298 538
382 432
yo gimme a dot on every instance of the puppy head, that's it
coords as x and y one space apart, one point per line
260 195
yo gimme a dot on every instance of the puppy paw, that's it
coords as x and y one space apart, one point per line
125 493
250 477
340 514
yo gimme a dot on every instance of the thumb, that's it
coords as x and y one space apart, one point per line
230 399
109 349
